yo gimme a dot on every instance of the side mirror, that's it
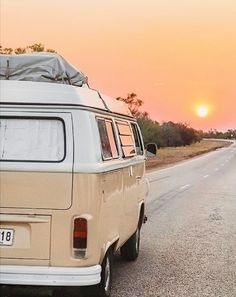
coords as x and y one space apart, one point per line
151 150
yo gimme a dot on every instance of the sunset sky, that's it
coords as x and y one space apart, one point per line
176 55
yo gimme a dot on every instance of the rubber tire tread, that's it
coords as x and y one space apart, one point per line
128 250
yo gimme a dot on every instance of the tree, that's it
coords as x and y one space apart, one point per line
6 50
20 50
50 50
37 47
151 130
133 102
171 134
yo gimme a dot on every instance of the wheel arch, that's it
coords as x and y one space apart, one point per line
109 245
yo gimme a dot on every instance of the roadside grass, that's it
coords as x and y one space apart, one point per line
170 155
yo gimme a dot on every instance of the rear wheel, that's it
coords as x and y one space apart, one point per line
130 250
104 288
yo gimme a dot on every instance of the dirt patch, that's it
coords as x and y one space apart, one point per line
171 155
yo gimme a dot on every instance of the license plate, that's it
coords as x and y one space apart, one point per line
6 236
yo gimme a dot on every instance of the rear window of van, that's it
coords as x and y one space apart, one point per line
32 139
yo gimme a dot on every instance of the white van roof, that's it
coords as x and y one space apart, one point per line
38 93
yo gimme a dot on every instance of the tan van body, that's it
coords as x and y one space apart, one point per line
40 199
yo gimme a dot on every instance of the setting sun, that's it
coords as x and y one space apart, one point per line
202 111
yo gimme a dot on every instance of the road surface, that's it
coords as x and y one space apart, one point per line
188 246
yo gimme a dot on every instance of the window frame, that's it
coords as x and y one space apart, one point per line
138 133
109 120
126 123
39 118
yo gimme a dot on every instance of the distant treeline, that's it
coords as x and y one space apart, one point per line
36 47
166 134
229 134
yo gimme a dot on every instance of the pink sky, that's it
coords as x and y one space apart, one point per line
175 54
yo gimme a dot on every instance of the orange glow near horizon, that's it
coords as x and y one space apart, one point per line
167 52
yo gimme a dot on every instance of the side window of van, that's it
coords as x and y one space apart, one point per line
137 139
107 137
126 138
33 139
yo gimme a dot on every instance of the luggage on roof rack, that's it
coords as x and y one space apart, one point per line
40 67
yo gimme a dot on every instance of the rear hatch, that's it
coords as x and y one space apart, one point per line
35 180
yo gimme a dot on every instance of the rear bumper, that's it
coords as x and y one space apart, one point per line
50 276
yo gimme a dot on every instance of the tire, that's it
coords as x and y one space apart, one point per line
104 288
130 250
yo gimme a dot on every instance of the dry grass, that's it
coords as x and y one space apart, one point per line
170 155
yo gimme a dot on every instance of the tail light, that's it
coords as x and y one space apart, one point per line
80 237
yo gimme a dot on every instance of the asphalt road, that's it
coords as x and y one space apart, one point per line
188 246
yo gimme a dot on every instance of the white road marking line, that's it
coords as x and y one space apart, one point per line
222 164
217 169
205 176
184 187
